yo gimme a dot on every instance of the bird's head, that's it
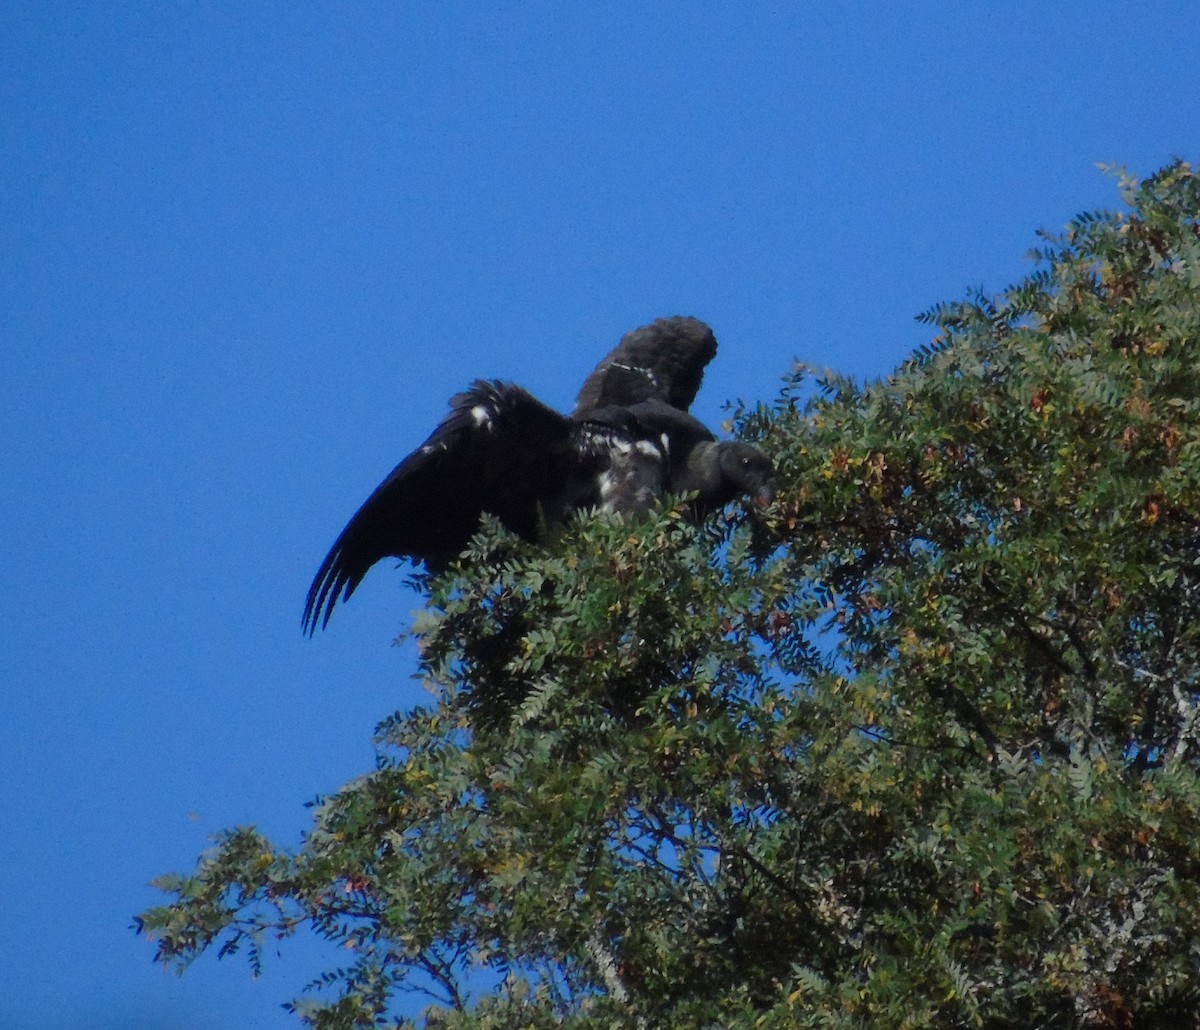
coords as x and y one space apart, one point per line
748 471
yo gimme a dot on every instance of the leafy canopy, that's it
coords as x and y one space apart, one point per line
919 745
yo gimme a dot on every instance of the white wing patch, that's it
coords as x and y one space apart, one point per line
649 449
609 483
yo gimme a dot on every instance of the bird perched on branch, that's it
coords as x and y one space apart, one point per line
629 442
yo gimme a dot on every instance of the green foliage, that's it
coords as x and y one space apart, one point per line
918 746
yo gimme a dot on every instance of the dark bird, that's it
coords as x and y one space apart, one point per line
500 450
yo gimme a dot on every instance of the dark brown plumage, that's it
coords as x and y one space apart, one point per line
501 451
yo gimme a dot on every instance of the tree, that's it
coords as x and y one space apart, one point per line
918 746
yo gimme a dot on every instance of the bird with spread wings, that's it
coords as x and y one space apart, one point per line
629 442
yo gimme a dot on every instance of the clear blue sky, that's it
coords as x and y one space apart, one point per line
247 251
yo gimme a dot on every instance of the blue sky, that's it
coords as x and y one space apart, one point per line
247 252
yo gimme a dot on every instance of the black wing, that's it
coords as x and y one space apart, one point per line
661 361
500 450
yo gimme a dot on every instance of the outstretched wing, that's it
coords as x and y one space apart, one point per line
661 361
500 450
